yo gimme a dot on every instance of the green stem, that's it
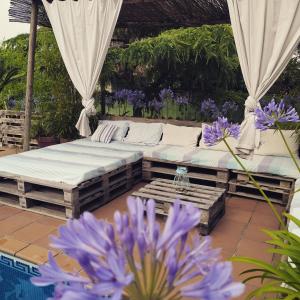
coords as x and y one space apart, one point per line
153 269
136 275
288 148
256 184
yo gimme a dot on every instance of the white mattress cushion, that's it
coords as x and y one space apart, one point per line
220 146
122 129
273 144
180 135
144 133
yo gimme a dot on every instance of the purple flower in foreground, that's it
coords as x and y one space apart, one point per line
220 130
217 284
273 113
113 267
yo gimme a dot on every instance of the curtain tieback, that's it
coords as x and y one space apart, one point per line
89 106
251 104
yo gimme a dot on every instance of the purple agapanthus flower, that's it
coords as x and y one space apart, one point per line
166 94
220 130
134 97
229 107
218 284
209 108
114 258
274 113
181 100
157 105
109 101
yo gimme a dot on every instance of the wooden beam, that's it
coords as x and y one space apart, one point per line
30 73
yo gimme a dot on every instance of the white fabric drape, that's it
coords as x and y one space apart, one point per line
266 34
83 31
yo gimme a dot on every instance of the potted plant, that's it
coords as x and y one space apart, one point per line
44 126
44 132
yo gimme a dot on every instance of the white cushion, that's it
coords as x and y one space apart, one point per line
273 144
104 133
180 135
144 133
122 129
220 146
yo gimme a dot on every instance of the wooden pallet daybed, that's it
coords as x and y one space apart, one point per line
65 180
66 201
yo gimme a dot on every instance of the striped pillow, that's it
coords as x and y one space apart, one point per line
104 133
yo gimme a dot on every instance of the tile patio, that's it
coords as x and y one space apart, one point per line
26 234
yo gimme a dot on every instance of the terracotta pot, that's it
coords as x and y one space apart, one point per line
63 140
44 141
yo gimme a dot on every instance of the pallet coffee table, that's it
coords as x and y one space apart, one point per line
210 200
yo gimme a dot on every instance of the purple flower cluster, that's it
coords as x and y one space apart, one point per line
181 100
134 97
229 107
166 94
220 130
157 105
275 113
138 258
209 108
109 101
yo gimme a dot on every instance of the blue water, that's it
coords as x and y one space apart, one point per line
15 280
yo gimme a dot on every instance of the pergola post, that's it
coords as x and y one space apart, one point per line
30 74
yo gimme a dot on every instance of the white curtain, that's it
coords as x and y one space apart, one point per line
266 34
83 31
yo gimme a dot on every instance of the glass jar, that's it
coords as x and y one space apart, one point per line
181 180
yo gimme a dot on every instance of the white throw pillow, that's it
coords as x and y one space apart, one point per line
220 146
144 133
122 129
180 135
273 144
104 133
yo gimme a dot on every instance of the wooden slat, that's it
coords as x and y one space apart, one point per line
180 194
145 194
192 187
266 187
257 197
176 163
47 196
270 176
9 189
205 177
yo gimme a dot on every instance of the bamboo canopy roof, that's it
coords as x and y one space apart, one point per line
148 13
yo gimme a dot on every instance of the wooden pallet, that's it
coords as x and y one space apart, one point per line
210 200
153 168
279 189
12 129
65 201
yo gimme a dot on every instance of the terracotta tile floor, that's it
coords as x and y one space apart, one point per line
25 234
